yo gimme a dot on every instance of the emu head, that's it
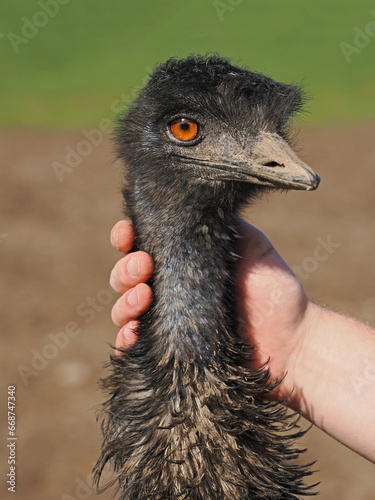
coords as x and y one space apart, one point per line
203 121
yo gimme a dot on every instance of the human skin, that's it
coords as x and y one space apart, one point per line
325 361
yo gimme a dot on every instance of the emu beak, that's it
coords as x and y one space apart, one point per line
274 163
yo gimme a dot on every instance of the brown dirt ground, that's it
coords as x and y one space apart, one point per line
56 258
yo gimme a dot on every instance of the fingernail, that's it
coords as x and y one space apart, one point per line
128 333
133 298
130 330
114 236
123 334
124 339
133 267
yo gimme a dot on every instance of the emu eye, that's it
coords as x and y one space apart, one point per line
184 129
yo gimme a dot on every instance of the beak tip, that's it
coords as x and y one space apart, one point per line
315 183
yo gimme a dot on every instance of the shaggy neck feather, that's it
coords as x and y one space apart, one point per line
194 255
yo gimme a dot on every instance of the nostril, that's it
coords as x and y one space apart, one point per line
273 164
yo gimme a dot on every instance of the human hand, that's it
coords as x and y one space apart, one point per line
271 305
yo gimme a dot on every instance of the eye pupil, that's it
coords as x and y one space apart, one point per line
184 129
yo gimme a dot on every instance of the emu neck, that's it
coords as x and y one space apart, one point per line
192 241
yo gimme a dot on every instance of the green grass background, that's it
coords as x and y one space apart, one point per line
93 52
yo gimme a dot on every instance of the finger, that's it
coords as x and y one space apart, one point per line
132 304
135 268
122 236
126 336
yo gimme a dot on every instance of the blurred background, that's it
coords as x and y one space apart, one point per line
68 68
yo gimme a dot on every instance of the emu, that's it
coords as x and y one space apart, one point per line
188 417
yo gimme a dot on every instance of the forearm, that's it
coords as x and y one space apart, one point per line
334 379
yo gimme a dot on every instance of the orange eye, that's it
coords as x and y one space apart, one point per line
184 129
